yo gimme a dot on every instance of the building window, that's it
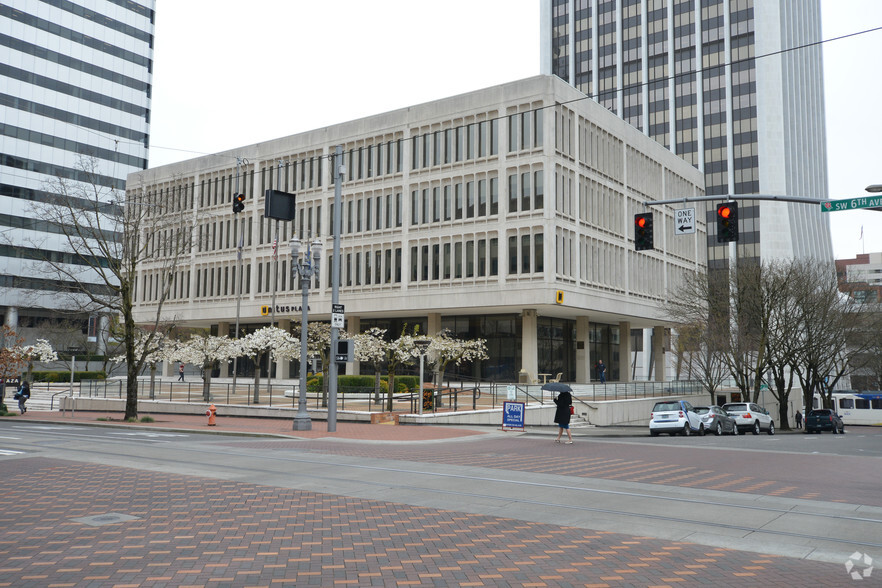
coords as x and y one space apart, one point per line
457 260
494 196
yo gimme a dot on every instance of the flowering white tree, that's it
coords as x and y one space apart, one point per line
370 347
205 351
318 342
282 345
445 349
41 351
401 351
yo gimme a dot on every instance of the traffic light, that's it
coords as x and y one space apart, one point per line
238 202
643 231
727 222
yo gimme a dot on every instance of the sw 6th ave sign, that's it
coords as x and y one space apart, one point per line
851 204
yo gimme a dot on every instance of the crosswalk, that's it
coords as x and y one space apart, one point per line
8 452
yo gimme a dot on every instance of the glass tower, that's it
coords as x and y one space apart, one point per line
725 84
75 81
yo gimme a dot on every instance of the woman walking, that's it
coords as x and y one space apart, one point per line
564 402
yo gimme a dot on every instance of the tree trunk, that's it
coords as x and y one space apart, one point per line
391 381
206 382
256 398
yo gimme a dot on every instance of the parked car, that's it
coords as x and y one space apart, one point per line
750 416
674 417
716 420
824 419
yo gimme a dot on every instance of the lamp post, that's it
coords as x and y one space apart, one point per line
874 188
422 346
306 269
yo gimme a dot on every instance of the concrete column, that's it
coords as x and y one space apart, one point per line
353 327
11 319
433 324
103 334
223 328
583 351
283 368
529 342
658 353
624 351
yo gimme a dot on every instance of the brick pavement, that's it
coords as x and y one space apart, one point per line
191 531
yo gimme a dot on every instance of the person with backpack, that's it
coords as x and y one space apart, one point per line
23 394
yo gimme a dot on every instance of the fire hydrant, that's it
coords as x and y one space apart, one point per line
211 413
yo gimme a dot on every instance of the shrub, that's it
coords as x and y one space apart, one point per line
57 376
147 419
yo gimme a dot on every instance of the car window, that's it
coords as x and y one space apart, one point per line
688 406
722 411
821 412
661 406
735 407
702 410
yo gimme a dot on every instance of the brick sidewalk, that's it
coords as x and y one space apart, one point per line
189 531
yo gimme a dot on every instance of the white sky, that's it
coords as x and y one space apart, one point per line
228 74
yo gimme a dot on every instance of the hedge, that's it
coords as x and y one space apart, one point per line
363 383
55 376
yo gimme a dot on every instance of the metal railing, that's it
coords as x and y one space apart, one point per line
457 396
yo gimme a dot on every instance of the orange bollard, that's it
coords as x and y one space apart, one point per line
211 413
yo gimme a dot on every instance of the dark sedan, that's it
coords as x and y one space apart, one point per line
716 420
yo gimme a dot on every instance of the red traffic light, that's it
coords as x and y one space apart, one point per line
640 221
724 211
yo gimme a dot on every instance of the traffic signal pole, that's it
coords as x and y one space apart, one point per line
339 171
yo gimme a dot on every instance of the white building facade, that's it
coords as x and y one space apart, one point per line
505 213
75 81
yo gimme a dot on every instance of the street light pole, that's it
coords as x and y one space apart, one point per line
422 346
306 269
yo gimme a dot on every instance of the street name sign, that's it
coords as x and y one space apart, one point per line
684 222
851 203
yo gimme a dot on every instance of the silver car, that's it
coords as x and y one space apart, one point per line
716 420
750 416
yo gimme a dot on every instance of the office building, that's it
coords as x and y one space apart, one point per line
734 87
506 213
75 79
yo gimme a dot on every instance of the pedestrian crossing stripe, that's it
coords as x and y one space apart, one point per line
10 452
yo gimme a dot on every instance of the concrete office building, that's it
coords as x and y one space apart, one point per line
505 213
75 80
714 82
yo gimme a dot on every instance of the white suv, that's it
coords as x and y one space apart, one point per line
751 417
674 417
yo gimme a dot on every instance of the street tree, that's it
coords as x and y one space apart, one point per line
370 347
402 351
107 237
206 351
445 349
281 345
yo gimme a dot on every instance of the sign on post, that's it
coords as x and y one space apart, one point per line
337 316
851 203
684 222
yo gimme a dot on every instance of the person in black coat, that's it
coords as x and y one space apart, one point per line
24 393
563 401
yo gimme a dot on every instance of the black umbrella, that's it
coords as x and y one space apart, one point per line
557 387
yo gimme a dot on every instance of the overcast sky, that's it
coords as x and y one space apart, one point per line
228 74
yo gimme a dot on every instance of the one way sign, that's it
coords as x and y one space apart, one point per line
685 221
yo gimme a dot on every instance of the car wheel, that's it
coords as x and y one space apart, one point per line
842 430
719 430
772 428
735 430
756 428
701 430
834 430
686 430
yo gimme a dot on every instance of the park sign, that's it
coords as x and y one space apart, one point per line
874 202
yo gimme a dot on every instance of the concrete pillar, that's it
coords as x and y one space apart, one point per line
624 351
583 350
11 319
223 328
529 342
353 327
103 334
658 353
283 368
433 324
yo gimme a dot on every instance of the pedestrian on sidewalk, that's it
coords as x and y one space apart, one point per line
601 371
23 394
181 373
564 402
798 420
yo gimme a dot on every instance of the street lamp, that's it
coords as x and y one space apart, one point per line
306 268
874 188
422 346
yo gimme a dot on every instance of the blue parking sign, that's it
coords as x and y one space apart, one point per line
513 415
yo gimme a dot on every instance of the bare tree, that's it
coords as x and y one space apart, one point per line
107 237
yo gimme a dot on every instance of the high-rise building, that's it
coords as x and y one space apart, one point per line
734 87
75 82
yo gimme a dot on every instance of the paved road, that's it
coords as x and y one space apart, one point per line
486 509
